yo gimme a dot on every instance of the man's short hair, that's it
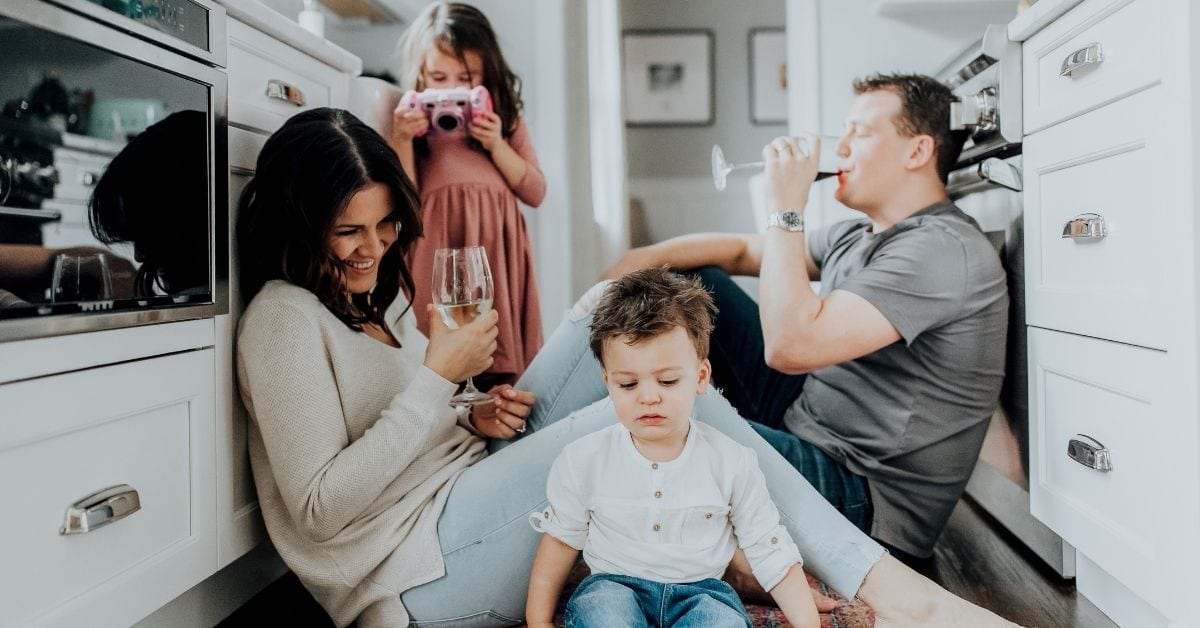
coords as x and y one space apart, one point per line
649 302
924 110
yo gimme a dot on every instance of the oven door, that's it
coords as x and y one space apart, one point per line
113 167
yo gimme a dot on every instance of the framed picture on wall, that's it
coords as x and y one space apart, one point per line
768 76
667 77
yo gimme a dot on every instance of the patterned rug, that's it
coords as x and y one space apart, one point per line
848 614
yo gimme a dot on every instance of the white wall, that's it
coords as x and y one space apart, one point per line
670 177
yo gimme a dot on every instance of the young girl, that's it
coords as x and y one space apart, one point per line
470 185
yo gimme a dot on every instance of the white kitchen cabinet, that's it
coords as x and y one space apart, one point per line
146 424
1110 158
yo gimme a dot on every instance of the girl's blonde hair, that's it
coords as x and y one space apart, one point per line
458 28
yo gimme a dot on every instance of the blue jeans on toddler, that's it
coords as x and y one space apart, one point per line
609 600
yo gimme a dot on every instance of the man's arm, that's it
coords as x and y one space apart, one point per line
735 253
801 331
551 566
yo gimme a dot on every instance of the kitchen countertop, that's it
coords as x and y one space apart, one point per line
1032 20
277 25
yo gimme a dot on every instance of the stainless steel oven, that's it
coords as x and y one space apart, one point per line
987 185
113 164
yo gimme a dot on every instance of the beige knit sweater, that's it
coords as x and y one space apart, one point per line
354 450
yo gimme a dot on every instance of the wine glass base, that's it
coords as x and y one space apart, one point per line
470 398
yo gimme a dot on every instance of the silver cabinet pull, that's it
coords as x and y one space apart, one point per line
1088 452
101 508
1088 56
1085 227
282 91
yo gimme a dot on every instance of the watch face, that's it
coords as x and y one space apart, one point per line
791 220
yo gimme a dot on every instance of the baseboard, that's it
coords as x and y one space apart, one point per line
214 599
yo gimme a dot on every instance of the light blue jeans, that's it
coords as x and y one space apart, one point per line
613 601
488 545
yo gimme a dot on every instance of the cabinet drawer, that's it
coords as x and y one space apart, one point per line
1106 163
147 424
244 148
1128 36
1114 394
259 64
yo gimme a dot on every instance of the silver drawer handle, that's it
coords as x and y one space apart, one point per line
1088 56
1088 452
101 508
1087 226
282 91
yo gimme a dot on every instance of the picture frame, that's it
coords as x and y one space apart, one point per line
768 75
667 77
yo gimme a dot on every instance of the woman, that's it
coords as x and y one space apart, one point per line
383 501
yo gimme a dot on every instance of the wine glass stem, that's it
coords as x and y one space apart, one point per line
749 164
470 387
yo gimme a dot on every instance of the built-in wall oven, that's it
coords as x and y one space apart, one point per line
987 185
113 164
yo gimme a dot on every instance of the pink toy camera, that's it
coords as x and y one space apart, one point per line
449 110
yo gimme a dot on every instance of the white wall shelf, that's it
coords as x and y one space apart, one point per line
902 8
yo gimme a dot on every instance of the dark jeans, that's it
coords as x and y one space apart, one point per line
763 395
612 601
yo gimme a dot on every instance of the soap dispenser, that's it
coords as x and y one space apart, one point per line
311 19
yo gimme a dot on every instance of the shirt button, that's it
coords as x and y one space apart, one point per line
546 515
708 515
654 466
657 527
774 540
658 493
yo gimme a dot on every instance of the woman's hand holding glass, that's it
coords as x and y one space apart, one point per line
457 354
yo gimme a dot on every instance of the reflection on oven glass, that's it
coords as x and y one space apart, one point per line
104 180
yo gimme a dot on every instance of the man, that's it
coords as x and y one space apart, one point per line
904 345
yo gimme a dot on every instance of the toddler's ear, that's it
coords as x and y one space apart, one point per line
705 375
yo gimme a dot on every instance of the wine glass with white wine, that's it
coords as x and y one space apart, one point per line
462 292
826 164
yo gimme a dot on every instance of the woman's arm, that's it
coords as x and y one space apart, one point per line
551 566
325 480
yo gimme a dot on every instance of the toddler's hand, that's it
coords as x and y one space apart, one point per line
407 124
487 128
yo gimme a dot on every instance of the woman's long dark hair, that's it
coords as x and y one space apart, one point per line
306 175
154 194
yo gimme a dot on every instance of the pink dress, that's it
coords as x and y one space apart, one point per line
465 201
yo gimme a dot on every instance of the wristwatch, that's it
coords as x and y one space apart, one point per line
788 220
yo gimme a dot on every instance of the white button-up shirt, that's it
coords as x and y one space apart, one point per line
676 521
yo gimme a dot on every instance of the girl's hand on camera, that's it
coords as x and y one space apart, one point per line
407 124
505 416
457 354
488 129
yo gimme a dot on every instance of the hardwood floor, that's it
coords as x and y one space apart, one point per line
980 561
975 559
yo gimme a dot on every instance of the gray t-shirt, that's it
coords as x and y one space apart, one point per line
911 416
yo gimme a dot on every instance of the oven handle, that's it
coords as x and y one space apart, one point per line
992 171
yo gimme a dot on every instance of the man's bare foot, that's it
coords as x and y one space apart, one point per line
902 597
